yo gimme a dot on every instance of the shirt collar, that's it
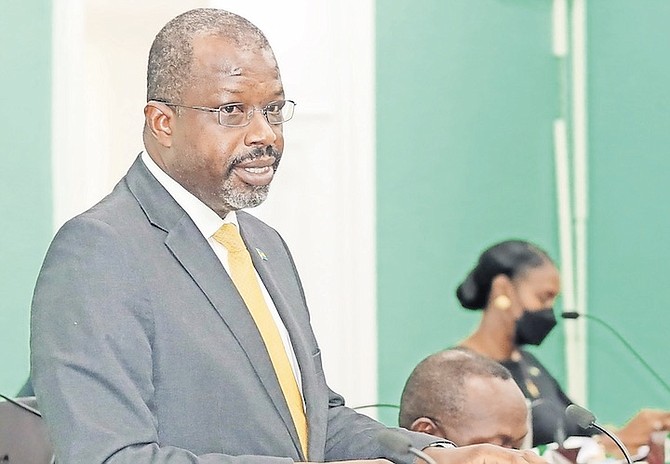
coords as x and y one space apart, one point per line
205 219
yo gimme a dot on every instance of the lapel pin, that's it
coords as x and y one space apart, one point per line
261 254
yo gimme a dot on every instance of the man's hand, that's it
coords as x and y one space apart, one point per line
482 454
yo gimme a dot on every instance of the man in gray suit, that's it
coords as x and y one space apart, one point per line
146 344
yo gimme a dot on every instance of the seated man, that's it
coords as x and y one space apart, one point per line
466 398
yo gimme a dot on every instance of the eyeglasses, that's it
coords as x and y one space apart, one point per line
240 114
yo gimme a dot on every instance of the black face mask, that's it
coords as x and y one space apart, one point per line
534 326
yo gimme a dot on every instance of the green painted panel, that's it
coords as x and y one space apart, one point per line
25 178
629 245
467 92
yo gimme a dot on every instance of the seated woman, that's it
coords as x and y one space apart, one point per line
515 284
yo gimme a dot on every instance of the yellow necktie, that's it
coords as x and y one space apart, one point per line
244 276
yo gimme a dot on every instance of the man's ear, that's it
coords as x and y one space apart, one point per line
159 118
425 425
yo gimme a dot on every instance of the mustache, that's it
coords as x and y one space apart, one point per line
258 152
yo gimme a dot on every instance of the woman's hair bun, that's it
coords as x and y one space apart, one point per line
469 293
510 258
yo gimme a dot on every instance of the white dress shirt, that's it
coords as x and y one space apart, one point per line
208 222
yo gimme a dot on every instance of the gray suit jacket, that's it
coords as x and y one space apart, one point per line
144 352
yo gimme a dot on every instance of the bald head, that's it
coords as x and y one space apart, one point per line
171 55
465 397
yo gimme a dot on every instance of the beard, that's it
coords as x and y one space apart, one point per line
249 196
239 199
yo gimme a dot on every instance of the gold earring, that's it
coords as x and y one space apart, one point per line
502 302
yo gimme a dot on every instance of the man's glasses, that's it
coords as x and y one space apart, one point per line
240 114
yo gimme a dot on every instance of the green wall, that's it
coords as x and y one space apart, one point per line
466 94
629 242
25 177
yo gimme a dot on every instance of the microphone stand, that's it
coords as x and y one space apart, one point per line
616 440
585 419
575 315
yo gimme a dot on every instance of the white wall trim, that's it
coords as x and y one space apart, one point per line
67 103
577 369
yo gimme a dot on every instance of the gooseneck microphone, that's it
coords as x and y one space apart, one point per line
400 444
585 419
575 315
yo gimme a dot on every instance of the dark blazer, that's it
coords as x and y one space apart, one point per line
144 352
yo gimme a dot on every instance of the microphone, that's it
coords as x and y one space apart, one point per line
575 315
585 419
400 444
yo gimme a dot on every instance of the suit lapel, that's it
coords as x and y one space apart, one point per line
262 258
190 248
207 271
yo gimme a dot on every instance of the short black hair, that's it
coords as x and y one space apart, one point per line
511 258
436 386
